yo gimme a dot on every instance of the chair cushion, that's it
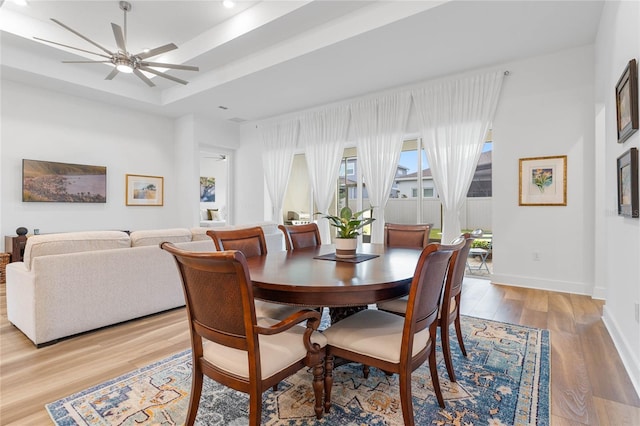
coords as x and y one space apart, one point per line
274 310
399 305
373 333
277 351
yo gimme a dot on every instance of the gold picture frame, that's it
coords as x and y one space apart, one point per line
543 181
627 102
144 190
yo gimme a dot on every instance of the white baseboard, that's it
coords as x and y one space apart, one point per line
627 354
599 293
542 284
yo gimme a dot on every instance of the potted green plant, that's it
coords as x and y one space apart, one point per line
348 224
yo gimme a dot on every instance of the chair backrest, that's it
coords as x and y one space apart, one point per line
219 297
477 233
426 288
455 273
250 241
400 235
301 236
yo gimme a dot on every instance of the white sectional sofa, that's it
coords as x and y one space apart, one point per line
74 282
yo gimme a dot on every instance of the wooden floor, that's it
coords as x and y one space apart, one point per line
589 385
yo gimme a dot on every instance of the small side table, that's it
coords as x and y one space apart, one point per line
5 258
15 244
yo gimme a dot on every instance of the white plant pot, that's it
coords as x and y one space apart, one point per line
346 247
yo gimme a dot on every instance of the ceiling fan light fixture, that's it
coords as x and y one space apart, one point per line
123 65
123 60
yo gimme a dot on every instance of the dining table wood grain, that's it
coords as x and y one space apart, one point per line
297 278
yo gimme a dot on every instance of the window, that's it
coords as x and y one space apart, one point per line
482 181
413 197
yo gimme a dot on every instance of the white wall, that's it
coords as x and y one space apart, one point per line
619 244
41 124
545 109
45 125
252 200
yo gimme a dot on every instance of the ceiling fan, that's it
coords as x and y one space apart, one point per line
122 59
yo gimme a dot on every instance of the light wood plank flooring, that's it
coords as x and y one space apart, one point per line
589 385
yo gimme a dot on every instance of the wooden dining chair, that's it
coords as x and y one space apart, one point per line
297 237
251 242
393 343
401 235
230 344
450 303
300 236
406 236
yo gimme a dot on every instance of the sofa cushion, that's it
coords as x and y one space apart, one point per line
200 234
157 236
73 242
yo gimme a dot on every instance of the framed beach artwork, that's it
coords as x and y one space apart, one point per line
144 190
543 181
628 184
627 102
49 181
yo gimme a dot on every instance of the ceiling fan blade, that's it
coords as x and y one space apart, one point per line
86 62
173 66
71 47
143 78
112 74
81 36
161 74
119 35
157 51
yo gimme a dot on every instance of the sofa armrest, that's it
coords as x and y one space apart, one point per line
21 298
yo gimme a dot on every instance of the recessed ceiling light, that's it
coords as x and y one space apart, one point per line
228 3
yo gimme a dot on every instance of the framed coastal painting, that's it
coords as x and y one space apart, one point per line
543 181
53 182
627 102
207 189
144 190
628 184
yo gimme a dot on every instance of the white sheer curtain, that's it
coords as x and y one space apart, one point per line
454 117
379 126
323 134
279 142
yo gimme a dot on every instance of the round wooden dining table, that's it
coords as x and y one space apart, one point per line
297 277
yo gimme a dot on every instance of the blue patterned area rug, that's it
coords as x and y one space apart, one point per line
504 381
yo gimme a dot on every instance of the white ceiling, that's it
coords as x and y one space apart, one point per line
267 58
